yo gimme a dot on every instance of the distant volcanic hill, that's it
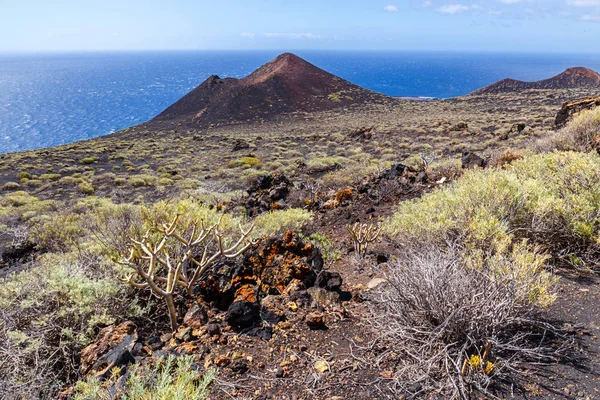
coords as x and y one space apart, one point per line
572 78
286 84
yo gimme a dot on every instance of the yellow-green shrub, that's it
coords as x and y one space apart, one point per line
280 221
552 198
577 135
176 379
48 313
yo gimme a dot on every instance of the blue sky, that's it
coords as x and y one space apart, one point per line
453 25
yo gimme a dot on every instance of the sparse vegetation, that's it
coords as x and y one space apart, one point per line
172 379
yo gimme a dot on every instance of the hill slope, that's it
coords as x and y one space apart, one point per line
572 78
286 84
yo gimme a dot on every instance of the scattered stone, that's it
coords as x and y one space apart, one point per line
267 190
321 366
375 283
315 320
222 361
184 333
196 316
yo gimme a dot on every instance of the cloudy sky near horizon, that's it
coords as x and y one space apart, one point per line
459 25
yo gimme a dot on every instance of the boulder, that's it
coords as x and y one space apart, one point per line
329 280
242 314
471 160
112 350
268 193
196 316
323 297
570 109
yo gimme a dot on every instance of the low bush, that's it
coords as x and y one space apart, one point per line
174 380
245 162
48 313
452 329
280 221
552 199
581 134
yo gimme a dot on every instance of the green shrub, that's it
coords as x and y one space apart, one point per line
142 180
50 177
88 160
578 135
23 175
48 313
85 188
173 380
280 221
552 199
56 231
245 162
11 186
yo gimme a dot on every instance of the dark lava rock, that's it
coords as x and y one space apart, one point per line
329 280
213 329
269 192
240 145
113 349
15 253
568 110
471 160
242 314
422 177
239 366
382 258
396 171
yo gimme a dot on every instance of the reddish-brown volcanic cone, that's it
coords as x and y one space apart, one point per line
285 85
572 78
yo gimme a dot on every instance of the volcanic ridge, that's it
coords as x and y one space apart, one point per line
572 78
285 85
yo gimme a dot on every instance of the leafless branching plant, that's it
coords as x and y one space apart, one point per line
362 236
453 330
166 259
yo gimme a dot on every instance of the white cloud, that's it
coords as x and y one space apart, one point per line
426 4
293 36
584 3
391 8
452 8
592 18
248 35
510 1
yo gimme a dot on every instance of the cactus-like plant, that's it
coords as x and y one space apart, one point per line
362 236
166 259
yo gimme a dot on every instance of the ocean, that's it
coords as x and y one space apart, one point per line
52 99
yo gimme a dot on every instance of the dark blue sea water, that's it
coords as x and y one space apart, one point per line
51 99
